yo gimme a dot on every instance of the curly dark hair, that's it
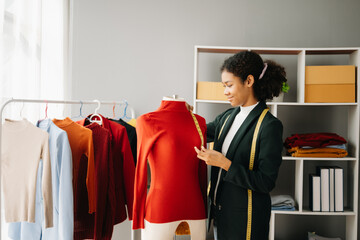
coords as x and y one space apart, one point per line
246 63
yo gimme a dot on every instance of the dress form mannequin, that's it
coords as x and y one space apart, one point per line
165 230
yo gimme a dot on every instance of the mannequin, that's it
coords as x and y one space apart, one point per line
178 186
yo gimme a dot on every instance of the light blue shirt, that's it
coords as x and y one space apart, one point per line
61 173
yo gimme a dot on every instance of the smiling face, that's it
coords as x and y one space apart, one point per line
239 93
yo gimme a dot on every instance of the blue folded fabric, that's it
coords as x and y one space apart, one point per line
282 200
282 203
283 208
341 146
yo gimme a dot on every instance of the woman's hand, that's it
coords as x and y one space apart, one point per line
213 158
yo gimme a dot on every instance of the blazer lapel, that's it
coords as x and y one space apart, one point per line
226 129
249 121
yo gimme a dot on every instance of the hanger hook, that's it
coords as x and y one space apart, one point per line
98 107
126 106
114 110
46 109
81 106
21 111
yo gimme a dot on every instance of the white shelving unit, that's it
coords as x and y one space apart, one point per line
300 117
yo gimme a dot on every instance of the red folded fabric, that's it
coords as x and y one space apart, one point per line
316 140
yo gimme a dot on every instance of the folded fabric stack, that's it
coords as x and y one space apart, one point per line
282 202
316 145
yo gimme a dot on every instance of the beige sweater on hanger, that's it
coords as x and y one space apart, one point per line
23 145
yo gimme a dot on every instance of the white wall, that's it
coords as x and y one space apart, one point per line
143 50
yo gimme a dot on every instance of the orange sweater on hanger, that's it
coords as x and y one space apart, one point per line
167 138
81 143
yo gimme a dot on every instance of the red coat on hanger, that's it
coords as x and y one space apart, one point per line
124 168
98 225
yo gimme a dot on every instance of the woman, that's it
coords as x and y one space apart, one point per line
238 214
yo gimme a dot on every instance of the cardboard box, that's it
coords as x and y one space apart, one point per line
210 91
330 84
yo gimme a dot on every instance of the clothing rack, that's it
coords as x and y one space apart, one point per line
46 101
66 102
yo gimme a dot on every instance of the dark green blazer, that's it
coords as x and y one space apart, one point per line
230 211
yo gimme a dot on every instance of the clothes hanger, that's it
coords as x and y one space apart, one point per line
95 117
80 111
21 111
114 110
131 119
46 110
126 106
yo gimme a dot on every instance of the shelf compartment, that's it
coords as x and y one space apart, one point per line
288 186
339 119
296 226
348 174
207 66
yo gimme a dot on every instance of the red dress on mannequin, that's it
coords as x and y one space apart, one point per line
167 138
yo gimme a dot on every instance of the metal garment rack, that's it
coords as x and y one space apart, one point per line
46 101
